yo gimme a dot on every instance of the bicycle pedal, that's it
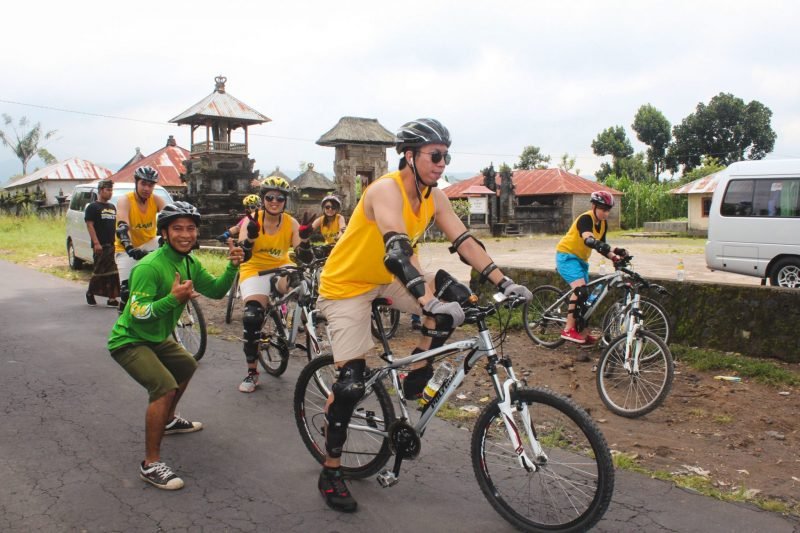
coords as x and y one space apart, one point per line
387 479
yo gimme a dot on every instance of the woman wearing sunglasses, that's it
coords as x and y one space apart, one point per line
269 234
331 224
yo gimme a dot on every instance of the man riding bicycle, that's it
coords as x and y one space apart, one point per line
268 235
136 225
376 257
587 233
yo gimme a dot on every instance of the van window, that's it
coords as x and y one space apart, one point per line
80 199
775 197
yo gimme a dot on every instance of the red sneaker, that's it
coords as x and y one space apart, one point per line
573 336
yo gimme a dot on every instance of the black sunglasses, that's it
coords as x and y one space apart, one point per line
280 198
328 207
436 157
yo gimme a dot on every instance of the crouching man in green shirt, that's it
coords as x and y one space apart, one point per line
141 340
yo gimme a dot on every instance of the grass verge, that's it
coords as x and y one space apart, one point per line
760 370
705 486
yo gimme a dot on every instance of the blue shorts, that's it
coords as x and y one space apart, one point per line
571 267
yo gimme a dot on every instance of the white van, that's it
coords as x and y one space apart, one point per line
754 221
79 247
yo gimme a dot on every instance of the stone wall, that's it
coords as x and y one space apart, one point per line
755 321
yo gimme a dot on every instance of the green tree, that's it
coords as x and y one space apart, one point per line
531 158
727 128
567 164
709 166
614 142
653 129
27 141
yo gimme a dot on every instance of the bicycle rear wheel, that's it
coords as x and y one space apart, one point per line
273 350
545 328
365 452
233 295
572 484
190 331
654 319
631 394
390 319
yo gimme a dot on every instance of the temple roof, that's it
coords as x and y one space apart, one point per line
357 130
221 105
311 179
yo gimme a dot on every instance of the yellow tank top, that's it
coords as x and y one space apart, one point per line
142 226
269 251
572 242
355 265
329 233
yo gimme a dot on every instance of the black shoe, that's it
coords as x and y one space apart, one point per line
333 488
160 475
90 299
112 303
416 380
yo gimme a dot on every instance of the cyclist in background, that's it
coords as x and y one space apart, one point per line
268 235
251 203
141 340
136 225
587 233
376 257
331 224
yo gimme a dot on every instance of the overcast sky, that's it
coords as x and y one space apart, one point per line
500 75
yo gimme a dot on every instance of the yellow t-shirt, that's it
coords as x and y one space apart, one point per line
269 251
572 242
142 226
355 265
330 232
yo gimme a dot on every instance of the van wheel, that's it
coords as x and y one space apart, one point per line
786 273
74 262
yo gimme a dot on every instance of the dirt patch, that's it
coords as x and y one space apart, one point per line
744 435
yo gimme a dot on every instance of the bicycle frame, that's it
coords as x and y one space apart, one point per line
476 348
609 280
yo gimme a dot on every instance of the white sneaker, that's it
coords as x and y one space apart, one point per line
249 383
160 475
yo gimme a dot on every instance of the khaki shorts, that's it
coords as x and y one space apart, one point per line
125 263
159 368
349 319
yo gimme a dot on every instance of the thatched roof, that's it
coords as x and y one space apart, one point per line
311 179
357 130
277 172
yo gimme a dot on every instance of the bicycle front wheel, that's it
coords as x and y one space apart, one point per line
366 450
390 319
543 324
633 394
654 319
273 350
573 480
233 295
190 331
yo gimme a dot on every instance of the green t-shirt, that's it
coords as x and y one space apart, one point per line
152 311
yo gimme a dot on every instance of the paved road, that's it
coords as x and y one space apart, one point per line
71 438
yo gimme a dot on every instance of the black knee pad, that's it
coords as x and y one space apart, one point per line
347 391
582 293
252 321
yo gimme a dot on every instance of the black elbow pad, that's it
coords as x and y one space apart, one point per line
600 246
122 233
398 261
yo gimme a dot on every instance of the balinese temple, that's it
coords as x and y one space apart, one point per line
360 155
311 187
219 171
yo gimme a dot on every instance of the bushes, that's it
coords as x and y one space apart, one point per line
647 201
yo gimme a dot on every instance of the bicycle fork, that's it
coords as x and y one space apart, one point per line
507 411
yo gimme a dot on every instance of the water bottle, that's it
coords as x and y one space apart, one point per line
680 275
598 288
444 371
603 267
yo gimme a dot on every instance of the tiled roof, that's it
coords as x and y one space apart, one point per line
537 182
706 185
219 105
168 161
67 170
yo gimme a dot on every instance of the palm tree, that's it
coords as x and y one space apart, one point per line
25 143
